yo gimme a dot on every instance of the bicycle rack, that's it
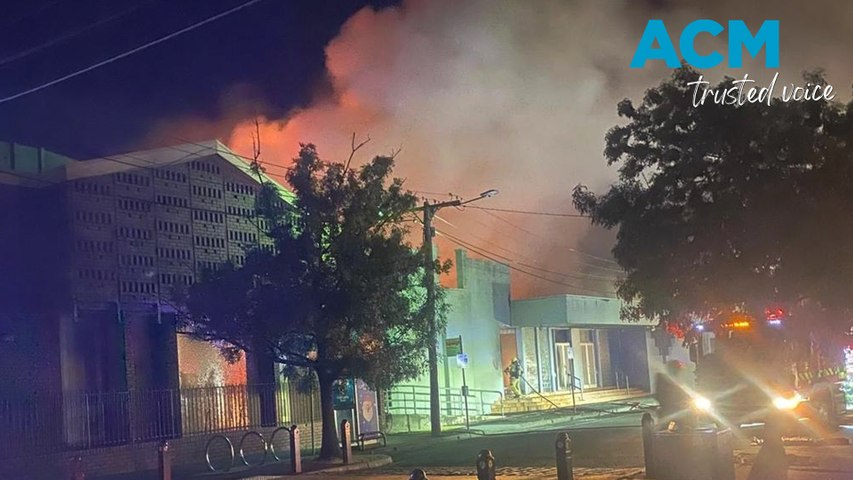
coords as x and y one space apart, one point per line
242 454
268 445
271 443
207 452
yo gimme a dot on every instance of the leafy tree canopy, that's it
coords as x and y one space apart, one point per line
338 294
723 208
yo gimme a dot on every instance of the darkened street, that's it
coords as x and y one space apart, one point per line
597 239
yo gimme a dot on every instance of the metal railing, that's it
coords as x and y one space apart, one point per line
56 422
625 383
414 400
577 384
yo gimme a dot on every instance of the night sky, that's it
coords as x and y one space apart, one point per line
479 94
271 52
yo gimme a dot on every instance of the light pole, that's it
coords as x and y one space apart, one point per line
430 210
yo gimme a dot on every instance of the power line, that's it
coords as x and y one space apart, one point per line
129 52
69 35
208 147
487 211
508 262
494 257
605 278
528 212
572 250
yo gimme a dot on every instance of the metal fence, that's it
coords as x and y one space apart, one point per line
56 422
414 400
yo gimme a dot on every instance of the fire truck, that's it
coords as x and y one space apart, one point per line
756 370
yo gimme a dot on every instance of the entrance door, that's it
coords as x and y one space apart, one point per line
563 365
562 339
590 370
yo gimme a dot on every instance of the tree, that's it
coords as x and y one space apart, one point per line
723 208
339 295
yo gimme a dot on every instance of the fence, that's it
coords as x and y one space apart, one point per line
56 422
414 400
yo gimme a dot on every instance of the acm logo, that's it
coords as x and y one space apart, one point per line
740 39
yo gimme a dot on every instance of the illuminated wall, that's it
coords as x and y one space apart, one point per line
200 364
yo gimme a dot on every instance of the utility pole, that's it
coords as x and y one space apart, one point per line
429 284
429 210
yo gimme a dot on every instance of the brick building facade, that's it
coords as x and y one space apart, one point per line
95 254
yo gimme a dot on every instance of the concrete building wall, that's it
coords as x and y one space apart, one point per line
478 307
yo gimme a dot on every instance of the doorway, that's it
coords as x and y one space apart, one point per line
588 358
509 351
563 359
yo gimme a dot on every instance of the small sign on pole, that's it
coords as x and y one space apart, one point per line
453 346
462 360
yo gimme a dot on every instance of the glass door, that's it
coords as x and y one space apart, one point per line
563 366
590 369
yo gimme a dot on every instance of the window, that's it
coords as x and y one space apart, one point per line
133 179
208 216
134 233
169 175
94 246
137 260
134 205
97 218
91 188
171 201
98 275
137 287
173 227
173 253
201 166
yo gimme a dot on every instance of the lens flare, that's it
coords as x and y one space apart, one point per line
702 403
791 403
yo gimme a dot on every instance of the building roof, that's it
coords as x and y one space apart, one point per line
569 311
30 167
167 157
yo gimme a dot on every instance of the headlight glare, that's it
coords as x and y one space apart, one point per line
702 403
789 403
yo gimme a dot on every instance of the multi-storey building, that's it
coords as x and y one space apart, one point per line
97 253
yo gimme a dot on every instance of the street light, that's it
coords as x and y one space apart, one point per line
429 283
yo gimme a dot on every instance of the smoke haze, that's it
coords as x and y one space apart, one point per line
517 96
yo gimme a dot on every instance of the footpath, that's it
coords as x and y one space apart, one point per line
808 463
607 446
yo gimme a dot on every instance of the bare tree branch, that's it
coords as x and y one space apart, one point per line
354 148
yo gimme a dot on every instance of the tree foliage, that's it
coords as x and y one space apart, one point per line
339 294
723 208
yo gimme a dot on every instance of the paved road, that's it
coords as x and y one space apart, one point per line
613 441
524 448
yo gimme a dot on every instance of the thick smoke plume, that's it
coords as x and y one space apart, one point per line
517 96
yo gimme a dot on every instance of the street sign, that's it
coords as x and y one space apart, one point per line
344 394
570 353
462 360
453 346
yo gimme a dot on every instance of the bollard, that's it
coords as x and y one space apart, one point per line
648 444
164 462
77 469
485 465
346 441
564 457
771 463
418 474
295 450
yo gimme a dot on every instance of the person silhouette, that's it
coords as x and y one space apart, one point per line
514 372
